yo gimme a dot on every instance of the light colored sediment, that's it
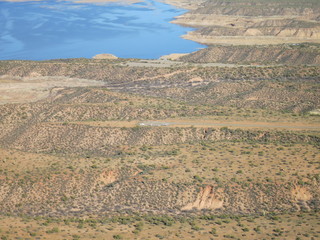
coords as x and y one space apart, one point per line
234 24
173 56
186 4
247 40
208 198
204 20
315 112
205 123
105 56
31 89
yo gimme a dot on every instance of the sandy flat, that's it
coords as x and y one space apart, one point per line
31 89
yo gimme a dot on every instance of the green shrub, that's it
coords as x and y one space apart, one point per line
53 230
117 236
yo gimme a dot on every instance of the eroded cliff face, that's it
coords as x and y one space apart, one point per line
81 139
207 199
237 199
257 55
253 23
114 191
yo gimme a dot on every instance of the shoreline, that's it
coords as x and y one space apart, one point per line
175 44
211 28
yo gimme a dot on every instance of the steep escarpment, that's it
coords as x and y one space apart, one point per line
81 195
253 22
85 194
258 55
82 139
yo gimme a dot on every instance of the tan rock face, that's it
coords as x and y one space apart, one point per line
107 177
105 56
173 56
248 23
208 198
301 194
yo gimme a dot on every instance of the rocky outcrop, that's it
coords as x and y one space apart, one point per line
105 56
208 199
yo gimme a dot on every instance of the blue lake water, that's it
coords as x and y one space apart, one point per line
61 29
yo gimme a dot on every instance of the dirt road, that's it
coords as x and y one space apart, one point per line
275 125
207 123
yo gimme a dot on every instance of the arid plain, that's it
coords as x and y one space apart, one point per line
222 143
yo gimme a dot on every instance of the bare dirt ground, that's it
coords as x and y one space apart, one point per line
205 123
231 124
31 89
